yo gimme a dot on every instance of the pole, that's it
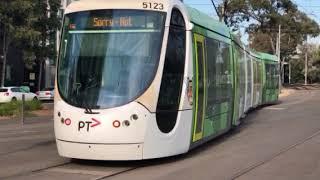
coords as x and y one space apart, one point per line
4 62
22 109
289 73
306 64
306 68
279 58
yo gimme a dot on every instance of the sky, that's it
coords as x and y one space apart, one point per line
310 7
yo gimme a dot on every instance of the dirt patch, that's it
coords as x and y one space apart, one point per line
6 117
286 92
304 87
42 112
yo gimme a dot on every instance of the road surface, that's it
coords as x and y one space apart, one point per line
274 142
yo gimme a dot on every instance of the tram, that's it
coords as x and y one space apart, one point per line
149 79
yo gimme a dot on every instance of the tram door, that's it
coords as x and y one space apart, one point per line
200 93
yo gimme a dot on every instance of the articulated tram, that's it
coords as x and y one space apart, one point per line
148 79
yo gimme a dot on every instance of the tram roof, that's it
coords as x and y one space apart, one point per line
268 57
208 22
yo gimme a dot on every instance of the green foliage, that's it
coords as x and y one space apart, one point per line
14 108
48 22
298 65
315 56
9 109
32 105
314 72
31 26
314 75
264 18
16 19
297 71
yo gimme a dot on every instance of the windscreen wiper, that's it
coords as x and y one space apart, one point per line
87 108
89 111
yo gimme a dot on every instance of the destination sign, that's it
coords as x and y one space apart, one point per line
114 19
112 22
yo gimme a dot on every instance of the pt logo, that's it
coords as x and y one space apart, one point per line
88 124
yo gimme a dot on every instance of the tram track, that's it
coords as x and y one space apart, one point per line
33 171
42 144
115 174
63 169
86 172
272 157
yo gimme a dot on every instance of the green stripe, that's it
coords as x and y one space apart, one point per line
112 31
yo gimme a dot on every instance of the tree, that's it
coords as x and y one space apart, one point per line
233 12
47 24
264 18
15 26
315 57
314 72
298 64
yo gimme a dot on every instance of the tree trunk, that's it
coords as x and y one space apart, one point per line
4 62
40 75
272 45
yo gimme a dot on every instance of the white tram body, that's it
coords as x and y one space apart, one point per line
142 139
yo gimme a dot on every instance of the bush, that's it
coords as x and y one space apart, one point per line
9 109
14 108
32 105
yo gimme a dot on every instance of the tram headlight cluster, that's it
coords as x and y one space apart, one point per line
115 123
126 123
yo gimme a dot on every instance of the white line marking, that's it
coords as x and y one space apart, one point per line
77 171
275 108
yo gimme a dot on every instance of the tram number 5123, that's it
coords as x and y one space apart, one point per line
152 5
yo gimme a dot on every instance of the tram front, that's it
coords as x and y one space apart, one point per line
108 78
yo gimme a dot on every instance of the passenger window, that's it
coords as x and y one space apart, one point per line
172 78
219 80
15 90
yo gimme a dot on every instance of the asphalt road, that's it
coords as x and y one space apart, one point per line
275 142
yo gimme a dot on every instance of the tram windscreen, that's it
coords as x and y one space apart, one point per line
108 57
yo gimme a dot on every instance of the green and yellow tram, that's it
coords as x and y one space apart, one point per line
148 79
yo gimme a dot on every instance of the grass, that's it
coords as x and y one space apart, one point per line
14 108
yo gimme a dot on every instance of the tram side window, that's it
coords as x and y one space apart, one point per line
212 91
275 76
242 67
226 73
272 76
249 69
172 78
219 87
259 73
254 73
272 83
268 76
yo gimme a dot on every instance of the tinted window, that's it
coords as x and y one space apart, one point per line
219 84
201 84
272 77
15 90
3 90
172 78
47 89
